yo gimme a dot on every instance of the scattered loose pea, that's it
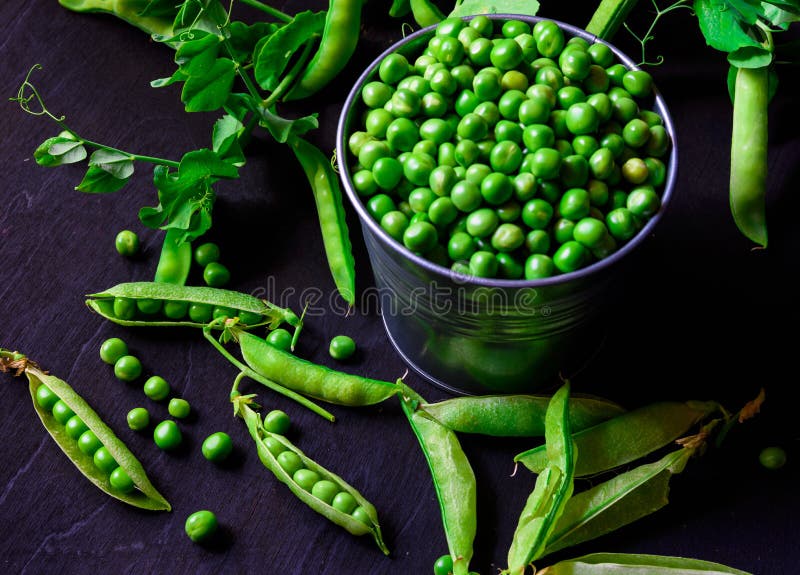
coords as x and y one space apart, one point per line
206 253
127 243
217 446
201 525
772 457
342 347
156 388
167 435
179 408
138 418
216 275
128 368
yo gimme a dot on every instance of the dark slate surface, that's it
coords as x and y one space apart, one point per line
697 317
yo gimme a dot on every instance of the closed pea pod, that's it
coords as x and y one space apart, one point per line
144 495
338 43
515 415
328 197
362 520
453 479
425 12
175 260
627 437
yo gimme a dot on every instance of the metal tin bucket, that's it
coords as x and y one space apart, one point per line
475 335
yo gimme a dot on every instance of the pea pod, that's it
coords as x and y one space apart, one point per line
617 502
426 13
635 564
258 311
129 11
144 495
399 8
627 437
453 479
339 40
748 183
175 260
310 379
328 197
515 415
553 488
345 520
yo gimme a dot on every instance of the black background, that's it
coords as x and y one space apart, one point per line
697 316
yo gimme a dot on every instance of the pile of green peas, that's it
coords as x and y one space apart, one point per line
87 440
327 491
506 150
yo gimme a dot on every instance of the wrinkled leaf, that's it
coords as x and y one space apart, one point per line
210 91
185 203
274 54
750 57
244 38
631 564
225 140
282 128
99 181
59 150
468 7
203 164
722 26
115 163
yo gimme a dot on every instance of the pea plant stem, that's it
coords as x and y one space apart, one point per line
305 402
267 9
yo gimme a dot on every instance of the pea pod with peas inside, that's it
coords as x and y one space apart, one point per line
163 304
515 415
627 437
84 438
453 479
320 489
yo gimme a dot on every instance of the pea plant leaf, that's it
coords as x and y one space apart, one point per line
748 10
282 128
185 203
205 164
244 38
399 8
209 91
199 15
99 181
722 26
468 7
274 54
225 140
197 56
780 16
239 105
750 57
59 150
118 164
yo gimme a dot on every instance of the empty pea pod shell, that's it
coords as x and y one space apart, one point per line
453 480
627 437
103 304
348 522
515 415
145 496
635 564
310 379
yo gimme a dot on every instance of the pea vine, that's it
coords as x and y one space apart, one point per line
648 35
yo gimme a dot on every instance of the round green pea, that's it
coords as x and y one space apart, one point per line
574 204
443 565
138 418
460 246
305 478
570 256
104 461
395 224
206 253
590 232
156 388
538 242
280 338
380 205
167 435
128 368
121 481
176 309
344 502
638 82
482 223
127 243
62 412
420 236
483 264
201 525
507 237
89 443
277 421
45 397
376 94
149 306
124 308
772 457
325 490
643 201
546 163
290 462
360 514
218 446
343 347
393 68
179 408
75 427
539 266
621 224
364 183
216 275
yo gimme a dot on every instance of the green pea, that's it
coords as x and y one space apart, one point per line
538 136
434 104
582 118
563 230
442 179
509 211
477 172
442 211
111 350
636 133
615 73
393 68
575 204
45 398
570 256
602 105
325 490
570 95
624 109
574 171
590 232
505 157
121 481
635 171
290 462
305 478
127 243
656 172
149 306
772 457
443 565
138 418
508 267
395 224
277 421
601 54
216 275
75 427
546 163
156 388
167 435
483 264
643 201
127 368
104 461
179 408
280 338
507 237
218 446
638 82
206 253
621 224
420 237
549 39
360 514
364 183
460 246
201 525
524 186
482 223
537 242
658 142
598 192
176 309
539 266
344 502
375 95
418 167
89 443
124 308
613 142
597 81
220 312
496 188
274 446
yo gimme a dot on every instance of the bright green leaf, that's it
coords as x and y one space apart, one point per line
274 54
59 150
780 16
282 129
204 164
210 91
722 26
468 7
117 164
225 140
200 15
99 181
178 76
244 38
239 105
750 57
749 10
196 57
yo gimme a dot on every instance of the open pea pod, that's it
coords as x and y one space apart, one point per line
348 521
453 479
515 415
194 306
635 564
311 379
627 437
144 495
